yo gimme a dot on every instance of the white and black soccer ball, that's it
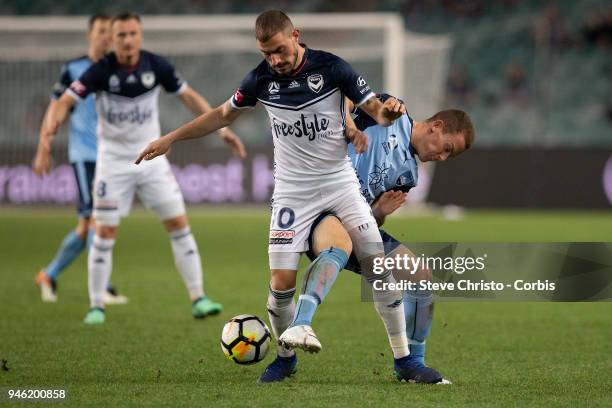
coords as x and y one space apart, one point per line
245 339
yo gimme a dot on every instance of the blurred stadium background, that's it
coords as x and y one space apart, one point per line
536 77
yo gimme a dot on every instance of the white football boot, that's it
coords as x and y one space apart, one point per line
302 337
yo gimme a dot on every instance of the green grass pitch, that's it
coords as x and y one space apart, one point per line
152 353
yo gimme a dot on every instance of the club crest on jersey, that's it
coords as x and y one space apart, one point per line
113 83
390 144
315 82
148 79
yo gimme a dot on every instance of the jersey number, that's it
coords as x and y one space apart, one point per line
286 217
101 189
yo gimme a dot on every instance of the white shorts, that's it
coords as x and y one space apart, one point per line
153 181
292 217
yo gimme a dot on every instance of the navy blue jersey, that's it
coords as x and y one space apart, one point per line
83 121
307 115
127 100
390 162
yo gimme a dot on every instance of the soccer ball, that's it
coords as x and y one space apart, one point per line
245 339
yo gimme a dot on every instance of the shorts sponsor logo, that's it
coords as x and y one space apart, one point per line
281 237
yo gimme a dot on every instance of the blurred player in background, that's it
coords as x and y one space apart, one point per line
387 170
127 85
82 156
303 92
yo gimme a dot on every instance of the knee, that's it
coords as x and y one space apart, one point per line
176 223
107 231
282 279
82 228
331 233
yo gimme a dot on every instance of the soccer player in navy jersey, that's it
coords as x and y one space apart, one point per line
127 85
303 91
387 170
82 157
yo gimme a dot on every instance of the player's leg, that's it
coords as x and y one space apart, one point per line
281 310
73 243
289 224
356 216
188 263
86 230
418 311
332 246
418 306
114 188
158 190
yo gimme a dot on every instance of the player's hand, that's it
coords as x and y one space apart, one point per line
154 149
357 138
234 142
390 201
393 109
42 162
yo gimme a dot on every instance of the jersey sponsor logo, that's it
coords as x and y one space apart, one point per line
305 126
315 82
78 87
148 79
294 84
135 115
114 83
281 237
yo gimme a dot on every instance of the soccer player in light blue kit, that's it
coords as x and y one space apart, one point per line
82 156
387 170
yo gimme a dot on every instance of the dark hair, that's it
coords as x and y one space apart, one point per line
271 22
456 121
92 20
125 16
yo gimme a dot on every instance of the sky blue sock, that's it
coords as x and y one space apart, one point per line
70 248
318 280
418 308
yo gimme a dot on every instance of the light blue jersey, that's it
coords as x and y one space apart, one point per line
389 163
82 142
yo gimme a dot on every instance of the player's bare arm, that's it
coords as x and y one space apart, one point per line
201 126
198 105
388 202
43 151
384 113
53 119
354 135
